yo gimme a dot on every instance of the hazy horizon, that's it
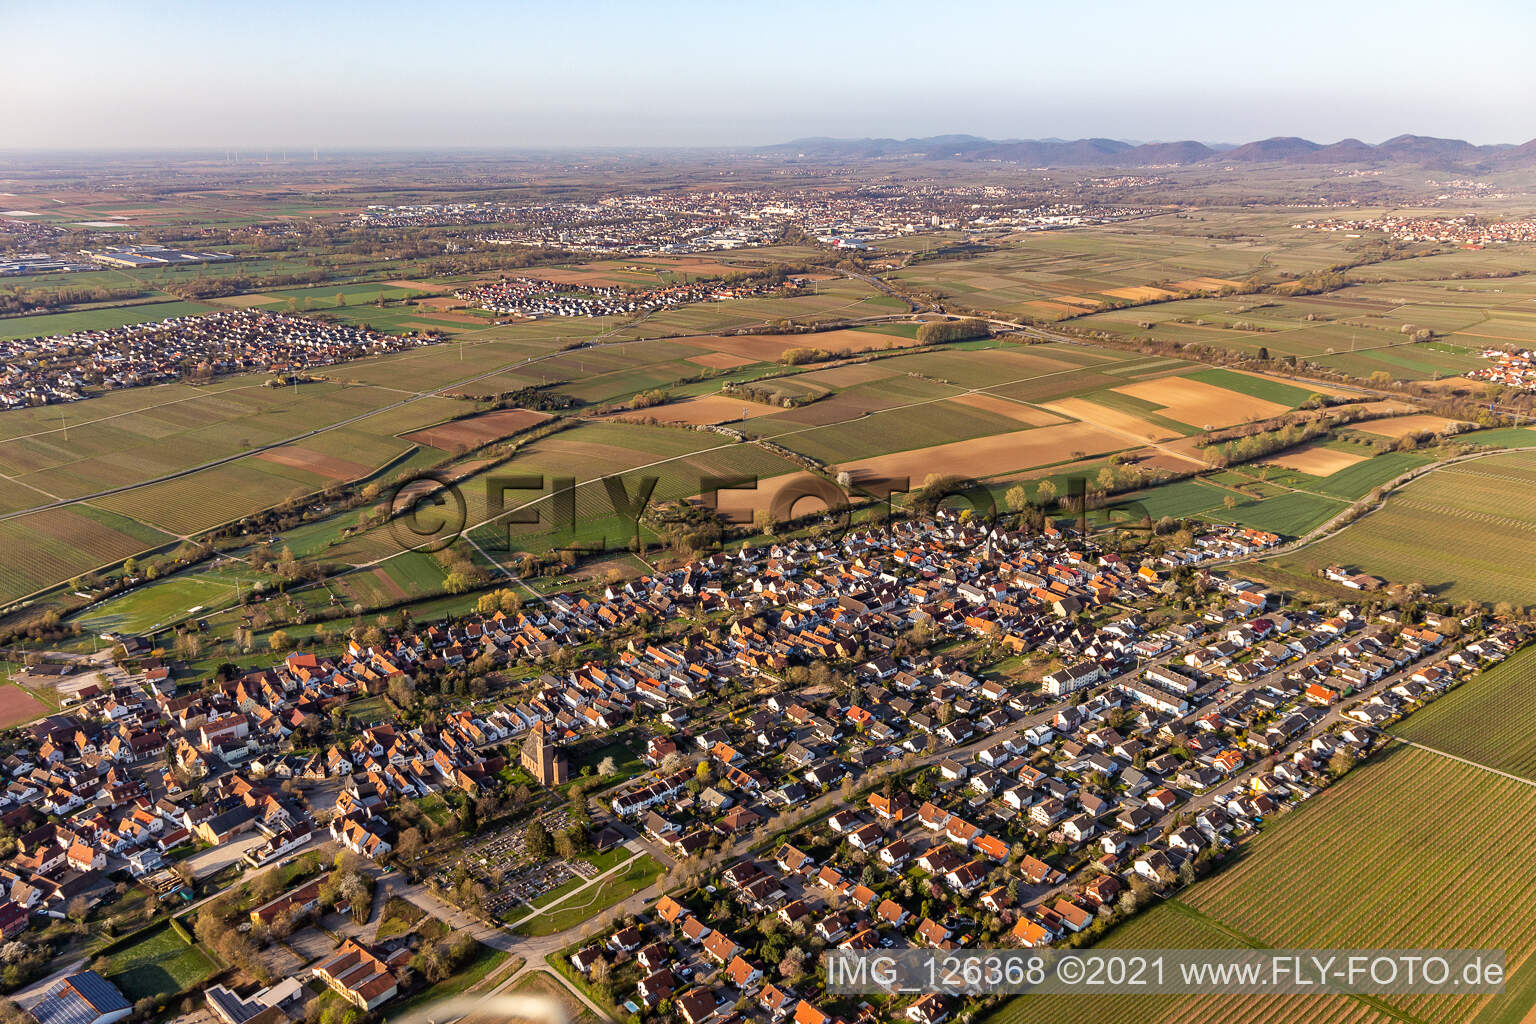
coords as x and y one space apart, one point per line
537 76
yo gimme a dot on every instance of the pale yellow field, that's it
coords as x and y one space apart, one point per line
769 347
1316 461
1200 404
1111 419
706 410
1142 293
1056 309
1205 284
1397 426
1000 453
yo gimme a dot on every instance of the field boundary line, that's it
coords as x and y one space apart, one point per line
1467 761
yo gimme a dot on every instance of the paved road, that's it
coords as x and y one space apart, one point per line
25 997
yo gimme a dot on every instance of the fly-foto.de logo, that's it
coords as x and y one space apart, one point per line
429 511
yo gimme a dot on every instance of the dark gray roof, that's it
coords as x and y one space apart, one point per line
80 999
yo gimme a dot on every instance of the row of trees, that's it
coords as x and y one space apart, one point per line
938 332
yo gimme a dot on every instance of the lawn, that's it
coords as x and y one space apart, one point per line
150 605
641 872
154 963
485 961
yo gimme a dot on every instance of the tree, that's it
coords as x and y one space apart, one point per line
1340 763
411 844
606 768
78 909
537 841
279 641
1017 498
1229 502
1045 493
402 691
266 885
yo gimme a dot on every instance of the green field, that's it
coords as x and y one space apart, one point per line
1456 530
1357 481
1336 873
105 318
1291 514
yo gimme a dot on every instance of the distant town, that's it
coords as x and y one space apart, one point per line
70 367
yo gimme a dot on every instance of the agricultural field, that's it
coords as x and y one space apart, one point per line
1332 874
43 548
679 458
1290 514
1361 329
1044 411
1455 530
130 436
411 574
1490 719
1054 275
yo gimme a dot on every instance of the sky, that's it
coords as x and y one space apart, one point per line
215 74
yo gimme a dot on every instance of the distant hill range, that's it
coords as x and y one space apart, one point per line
1404 149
